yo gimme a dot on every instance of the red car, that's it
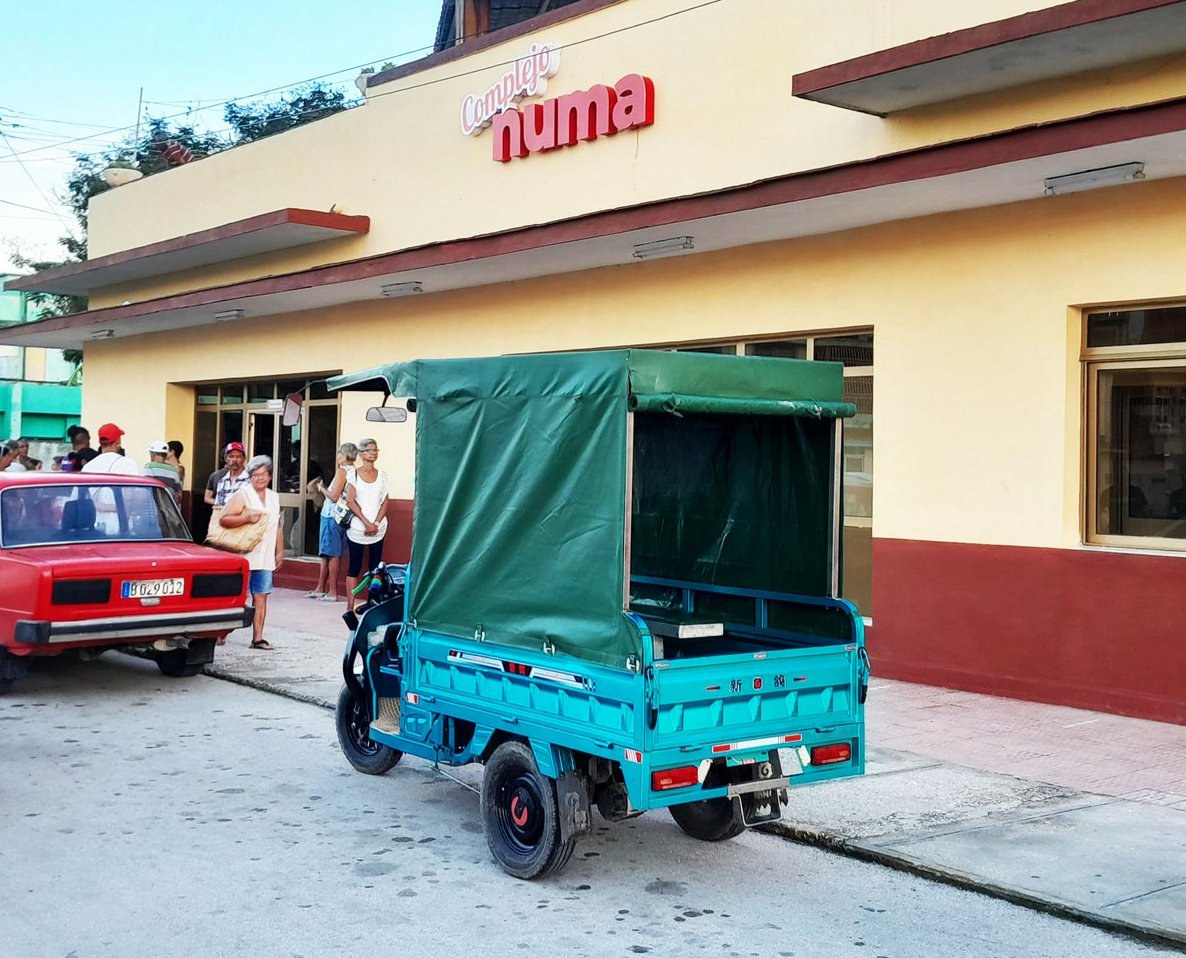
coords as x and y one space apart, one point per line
93 562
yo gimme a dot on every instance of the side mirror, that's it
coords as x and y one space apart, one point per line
387 414
292 409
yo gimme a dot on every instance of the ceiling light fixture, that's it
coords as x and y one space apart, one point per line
227 315
409 288
663 247
1093 179
102 334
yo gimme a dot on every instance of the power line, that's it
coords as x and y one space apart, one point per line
37 186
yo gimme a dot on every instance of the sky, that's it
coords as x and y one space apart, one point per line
74 69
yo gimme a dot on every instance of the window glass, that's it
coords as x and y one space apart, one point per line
261 392
854 349
779 348
31 515
230 395
1140 423
725 349
1137 327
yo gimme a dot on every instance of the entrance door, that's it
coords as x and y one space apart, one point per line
267 436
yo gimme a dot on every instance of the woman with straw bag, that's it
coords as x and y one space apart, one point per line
257 503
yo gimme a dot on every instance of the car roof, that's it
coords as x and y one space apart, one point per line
36 478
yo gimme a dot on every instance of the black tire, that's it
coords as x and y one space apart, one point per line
12 667
173 664
710 820
353 722
521 814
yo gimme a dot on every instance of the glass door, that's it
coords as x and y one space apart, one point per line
266 436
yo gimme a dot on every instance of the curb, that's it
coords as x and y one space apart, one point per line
840 844
263 686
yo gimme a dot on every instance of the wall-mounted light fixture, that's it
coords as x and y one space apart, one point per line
663 247
228 315
102 334
409 288
1093 179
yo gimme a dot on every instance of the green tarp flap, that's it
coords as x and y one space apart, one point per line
520 503
731 500
398 379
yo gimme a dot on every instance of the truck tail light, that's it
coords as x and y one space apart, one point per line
674 778
831 754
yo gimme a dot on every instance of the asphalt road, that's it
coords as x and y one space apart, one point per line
145 816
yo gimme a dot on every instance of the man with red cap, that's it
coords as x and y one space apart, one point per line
110 458
224 483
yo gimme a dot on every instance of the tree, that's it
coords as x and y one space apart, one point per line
146 150
254 121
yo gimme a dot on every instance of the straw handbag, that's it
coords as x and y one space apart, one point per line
240 539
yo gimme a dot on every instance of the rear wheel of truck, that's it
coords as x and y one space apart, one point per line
712 820
521 815
353 722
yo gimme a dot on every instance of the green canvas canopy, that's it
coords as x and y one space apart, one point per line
520 525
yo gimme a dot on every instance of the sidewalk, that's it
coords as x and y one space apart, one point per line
1078 813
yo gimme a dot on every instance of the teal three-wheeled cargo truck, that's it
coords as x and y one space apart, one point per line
624 593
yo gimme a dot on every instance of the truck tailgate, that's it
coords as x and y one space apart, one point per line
701 701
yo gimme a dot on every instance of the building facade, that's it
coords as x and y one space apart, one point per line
976 208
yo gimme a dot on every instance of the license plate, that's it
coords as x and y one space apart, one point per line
152 588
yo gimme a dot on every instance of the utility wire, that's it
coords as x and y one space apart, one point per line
289 86
37 186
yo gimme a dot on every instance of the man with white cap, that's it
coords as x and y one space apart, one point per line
110 459
158 468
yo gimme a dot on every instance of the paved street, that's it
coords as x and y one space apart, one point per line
155 817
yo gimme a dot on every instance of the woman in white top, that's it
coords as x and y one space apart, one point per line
366 495
257 502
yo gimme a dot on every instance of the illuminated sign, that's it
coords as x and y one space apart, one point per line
527 76
566 120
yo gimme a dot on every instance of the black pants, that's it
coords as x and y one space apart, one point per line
355 549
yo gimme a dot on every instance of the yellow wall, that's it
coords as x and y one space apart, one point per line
724 116
976 336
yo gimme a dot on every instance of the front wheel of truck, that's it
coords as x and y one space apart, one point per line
710 820
353 722
521 814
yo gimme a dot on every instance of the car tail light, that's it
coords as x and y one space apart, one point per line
81 592
207 586
674 778
831 754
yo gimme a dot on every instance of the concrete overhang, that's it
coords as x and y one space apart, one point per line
1057 41
986 171
266 233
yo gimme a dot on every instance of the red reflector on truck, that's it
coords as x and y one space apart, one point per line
831 754
674 778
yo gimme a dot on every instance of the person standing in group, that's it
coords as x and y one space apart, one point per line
174 459
27 461
258 502
80 449
366 497
332 537
110 458
158 468
13 448
224 483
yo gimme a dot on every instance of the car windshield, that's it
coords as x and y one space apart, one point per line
40 515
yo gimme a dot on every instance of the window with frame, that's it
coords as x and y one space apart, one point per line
1135 361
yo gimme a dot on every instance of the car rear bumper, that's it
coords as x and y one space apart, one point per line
116 628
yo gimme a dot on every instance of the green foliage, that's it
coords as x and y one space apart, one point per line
254 121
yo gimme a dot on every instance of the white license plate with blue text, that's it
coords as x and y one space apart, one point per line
152 588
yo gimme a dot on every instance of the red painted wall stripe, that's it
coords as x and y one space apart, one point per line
1079 627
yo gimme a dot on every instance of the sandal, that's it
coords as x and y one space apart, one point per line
314 594
326 597
262 644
